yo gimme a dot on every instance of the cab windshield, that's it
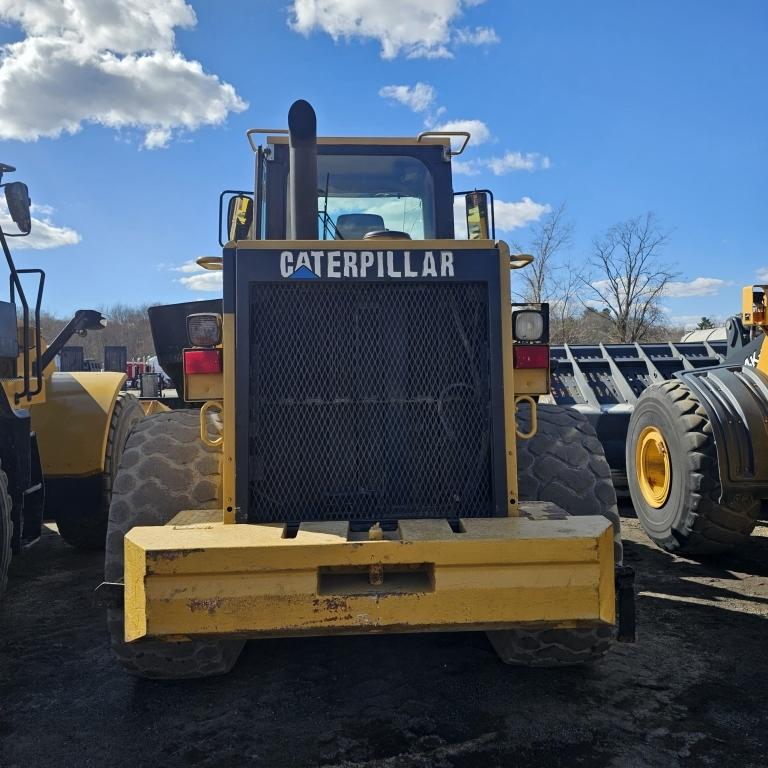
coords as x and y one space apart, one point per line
358 194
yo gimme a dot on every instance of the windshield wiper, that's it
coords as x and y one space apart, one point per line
328 223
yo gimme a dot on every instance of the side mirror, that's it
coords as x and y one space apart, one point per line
17 199
477 215
239 217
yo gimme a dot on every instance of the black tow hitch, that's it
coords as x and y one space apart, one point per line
109 594
625 604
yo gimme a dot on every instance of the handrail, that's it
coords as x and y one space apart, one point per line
253 131
15 282
38 333
466 134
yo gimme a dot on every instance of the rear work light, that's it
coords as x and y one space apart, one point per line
204 329
202 361
531 356
530 323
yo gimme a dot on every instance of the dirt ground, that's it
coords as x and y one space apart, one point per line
692 692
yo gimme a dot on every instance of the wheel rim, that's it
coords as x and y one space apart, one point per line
654 473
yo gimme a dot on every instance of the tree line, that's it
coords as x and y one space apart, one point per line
126 327
614 294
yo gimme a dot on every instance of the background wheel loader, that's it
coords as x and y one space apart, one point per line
357 464
61 434
698 448
683 426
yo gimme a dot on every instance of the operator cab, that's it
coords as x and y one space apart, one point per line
395 187
386 184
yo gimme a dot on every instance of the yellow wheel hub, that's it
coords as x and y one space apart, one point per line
654 473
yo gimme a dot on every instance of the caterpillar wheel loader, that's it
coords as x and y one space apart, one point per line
61 434
605 381
697 447
357 464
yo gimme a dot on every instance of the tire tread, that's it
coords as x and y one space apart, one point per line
165 468
565 446
710 527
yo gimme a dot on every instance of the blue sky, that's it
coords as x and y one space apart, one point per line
127 118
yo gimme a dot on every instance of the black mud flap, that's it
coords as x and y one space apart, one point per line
735 398
625 604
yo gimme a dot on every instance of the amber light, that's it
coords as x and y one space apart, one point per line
531 356
202 361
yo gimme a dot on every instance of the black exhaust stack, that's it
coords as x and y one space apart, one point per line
302 177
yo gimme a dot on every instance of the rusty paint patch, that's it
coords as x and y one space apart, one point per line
332 604
210 604
173 554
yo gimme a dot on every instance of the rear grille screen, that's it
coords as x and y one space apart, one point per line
369 401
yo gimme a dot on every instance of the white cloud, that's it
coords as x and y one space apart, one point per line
517 161
209 282
509 216
762 274
416 30
476 36
478 129
689 322
110 62
466 167
700 286
508 162
45 234
157 138
418 98
198 279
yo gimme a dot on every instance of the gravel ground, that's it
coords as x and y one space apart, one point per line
692 691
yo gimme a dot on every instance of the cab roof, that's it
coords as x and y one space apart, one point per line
444 141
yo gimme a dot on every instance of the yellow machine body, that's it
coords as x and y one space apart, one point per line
192 578
203 574
754 314
70 414
762 362
72 424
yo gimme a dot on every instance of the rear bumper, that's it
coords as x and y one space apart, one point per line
210 579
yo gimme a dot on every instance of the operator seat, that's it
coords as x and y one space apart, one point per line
355 226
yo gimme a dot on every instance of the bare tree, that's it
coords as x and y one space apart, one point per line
551 277
126 326
551 236
564 304
627 277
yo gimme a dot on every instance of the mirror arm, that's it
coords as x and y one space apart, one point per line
84 320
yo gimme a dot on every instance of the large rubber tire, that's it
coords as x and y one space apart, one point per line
165 469
563 463
692 521
6 532
82 522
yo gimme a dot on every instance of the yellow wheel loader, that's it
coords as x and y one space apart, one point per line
369 455
61 434
697 447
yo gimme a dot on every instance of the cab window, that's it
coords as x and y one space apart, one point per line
358 194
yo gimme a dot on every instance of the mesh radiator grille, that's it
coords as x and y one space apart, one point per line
369 401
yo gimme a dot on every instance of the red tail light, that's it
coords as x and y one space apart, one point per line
531 356
202 361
